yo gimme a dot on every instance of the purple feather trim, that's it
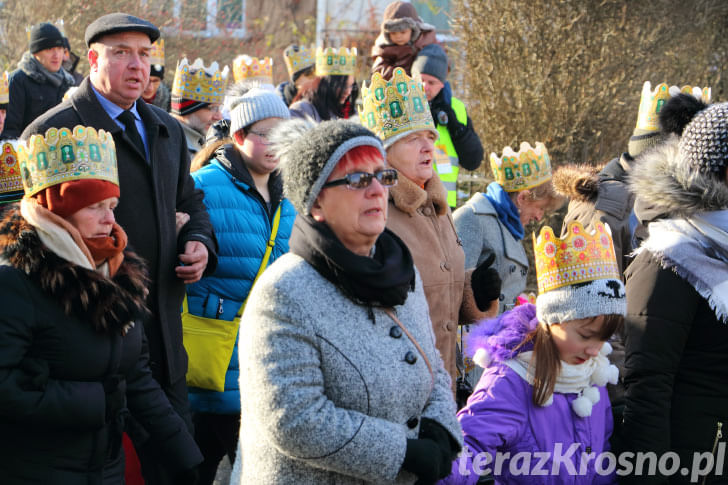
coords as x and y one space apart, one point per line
501 335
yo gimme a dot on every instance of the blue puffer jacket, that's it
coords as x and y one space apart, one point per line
242 226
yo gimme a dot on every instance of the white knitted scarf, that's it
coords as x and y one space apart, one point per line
580 379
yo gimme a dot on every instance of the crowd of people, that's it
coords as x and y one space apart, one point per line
284 276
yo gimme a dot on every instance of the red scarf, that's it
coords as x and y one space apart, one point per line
110 248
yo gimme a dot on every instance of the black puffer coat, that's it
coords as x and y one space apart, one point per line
676 366
71 368
31 95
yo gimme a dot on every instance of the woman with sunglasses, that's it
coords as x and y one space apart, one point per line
419 212
340 379
243 191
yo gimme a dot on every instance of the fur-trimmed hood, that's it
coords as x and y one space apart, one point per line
498 340
33 69
577 182
408 196
661 178
110 305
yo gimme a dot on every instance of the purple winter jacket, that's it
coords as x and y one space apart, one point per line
545 444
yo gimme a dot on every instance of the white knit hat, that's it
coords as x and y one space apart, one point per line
255 105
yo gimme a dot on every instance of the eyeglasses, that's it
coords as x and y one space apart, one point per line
215 108
362 180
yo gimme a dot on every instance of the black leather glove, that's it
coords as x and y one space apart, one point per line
425 458
486 283
187 477
36 374
431 429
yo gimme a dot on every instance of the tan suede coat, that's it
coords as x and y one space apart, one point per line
422 218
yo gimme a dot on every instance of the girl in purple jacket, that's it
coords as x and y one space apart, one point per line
540 413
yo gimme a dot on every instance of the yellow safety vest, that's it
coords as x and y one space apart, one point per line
446 158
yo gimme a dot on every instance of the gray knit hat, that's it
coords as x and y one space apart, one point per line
431 60
309 153
255 105
704 142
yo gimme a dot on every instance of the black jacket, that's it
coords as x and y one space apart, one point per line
676 363
31 95
150 195
68 373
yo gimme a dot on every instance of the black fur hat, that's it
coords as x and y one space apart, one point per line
309 153
678 111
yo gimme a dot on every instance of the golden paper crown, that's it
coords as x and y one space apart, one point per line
298 58
246 68
395 107
11 182
577 257
200 83
652 101
335 62
528 168
4 89
63 155
156 55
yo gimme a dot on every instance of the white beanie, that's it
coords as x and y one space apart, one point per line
255 105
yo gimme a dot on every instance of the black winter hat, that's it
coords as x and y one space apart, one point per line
431 60
115 23
308 153
45 36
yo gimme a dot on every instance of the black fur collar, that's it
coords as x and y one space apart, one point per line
110 305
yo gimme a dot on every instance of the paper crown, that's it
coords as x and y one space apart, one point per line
200 83
11 182
4 89
577 257
246 68
335 62
298 58
652 101
63 155
156 55
528 168
395 107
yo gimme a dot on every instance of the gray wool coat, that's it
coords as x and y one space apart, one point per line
327 395
482 234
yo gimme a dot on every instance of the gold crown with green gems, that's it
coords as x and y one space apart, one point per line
200 83
653 100
525 169
394 107
335 62
64 155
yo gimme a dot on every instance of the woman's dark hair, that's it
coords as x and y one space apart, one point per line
546 362
324 95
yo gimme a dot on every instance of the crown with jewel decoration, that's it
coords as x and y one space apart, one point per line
64 155
200 83
246 68
156 55
525 169
298 58
11 182
335 62
652 101
4 89
394 108
576 257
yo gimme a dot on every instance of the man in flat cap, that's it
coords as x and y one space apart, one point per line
155 183
39 82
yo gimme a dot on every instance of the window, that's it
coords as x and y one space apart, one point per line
207 18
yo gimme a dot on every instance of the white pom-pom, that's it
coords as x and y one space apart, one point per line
600 377
582 406
606 349
591 393
613 374
482 358
549 401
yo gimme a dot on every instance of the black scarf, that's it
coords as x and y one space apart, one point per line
381 280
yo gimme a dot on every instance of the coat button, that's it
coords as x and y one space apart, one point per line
427 211
502 297
513 268
395 332
410 358
412 422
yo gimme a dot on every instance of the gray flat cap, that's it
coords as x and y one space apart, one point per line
114 23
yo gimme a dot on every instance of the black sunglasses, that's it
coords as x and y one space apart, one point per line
362 180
